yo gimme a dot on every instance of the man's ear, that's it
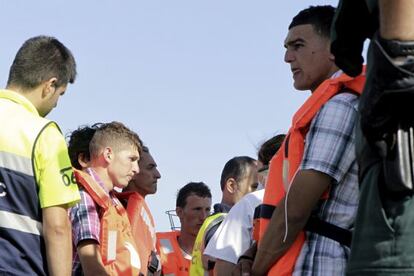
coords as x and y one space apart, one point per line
179 211
231 185
49 87
108 154
82 160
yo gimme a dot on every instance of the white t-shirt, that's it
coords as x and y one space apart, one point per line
234 236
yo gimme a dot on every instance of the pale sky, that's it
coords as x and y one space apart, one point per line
199 81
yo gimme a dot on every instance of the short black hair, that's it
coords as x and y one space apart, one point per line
39 59
236 168
320 17
78 143
193 188
269 148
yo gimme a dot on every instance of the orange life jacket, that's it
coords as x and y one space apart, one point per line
172 259
286 161
142 225
117 246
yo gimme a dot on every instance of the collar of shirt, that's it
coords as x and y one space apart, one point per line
19 99
337 74
221 208
98 180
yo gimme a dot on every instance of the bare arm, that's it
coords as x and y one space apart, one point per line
307 188
57 235
90 258
223 267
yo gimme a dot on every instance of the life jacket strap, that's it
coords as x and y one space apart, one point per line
314 225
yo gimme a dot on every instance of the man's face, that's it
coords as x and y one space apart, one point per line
145 182
194 213
248 183
123 166
51 101
308 54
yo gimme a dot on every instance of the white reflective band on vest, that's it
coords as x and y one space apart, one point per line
20 223
111 253
16 163
285 174
166 246
135 261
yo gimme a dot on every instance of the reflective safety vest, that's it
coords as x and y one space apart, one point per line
172 258
117 246
22 248
286 161
143 229
197 267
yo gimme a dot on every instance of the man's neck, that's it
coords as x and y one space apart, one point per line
186 242
104 177
333 73
227 200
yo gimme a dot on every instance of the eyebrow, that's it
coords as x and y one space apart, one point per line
292 42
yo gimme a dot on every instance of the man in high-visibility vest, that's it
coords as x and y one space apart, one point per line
175 248
238 178
36 177
314 176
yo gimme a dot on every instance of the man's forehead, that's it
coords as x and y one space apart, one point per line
146 158
299 33
196 200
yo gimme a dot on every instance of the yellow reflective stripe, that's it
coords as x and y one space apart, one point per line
166 246
111 252
20 223
16 163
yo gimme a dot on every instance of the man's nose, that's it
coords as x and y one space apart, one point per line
288 56
135 167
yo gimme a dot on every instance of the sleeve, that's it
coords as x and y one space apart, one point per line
85 219
54 174
233 237
330 142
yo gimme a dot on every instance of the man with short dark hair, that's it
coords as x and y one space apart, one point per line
36 177
234 236
142 223
314 176
238 178
192 207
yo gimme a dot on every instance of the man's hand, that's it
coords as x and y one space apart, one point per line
245 263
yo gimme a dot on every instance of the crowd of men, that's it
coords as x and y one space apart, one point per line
331 197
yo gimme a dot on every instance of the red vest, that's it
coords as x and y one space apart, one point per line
117 246
286 161
172 259
142 225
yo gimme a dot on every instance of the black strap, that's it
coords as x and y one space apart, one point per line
314 225
329 230
263 211
153 263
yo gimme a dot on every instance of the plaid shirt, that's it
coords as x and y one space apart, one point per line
85 220
330 148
